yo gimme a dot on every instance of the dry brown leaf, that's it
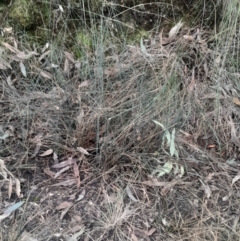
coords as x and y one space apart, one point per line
76 218
165 222
11 48
64 213
10 82
217 61
55 158
37 138
37 148
44 55
134 237
11 128
212 96
23 56
46 46
214 188
66 66
64 205
189 37
8 30
23 69
166 41
82 195
82 150
78 65
207 189
174 30
192 83
15 43
10 188
61 171
3 169
62 164
66 183
18 187
76 173
235 223
130 195
225 198
80 116
163 41
205 67
46 153
236 101
84 84
151 231
209 177
49 172
66 209
44 74
155 183
236 178
69 56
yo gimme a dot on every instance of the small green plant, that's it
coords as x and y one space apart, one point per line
168 139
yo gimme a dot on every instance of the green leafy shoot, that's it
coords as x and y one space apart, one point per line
170 139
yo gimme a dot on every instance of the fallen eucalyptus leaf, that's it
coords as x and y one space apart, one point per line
23 69
46 153
10 209
130 195
174 30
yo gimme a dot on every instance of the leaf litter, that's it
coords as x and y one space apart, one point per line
175 180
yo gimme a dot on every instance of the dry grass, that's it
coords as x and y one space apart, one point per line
105 102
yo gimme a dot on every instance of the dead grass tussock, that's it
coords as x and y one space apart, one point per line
106 103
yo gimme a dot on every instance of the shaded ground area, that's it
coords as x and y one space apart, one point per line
129 142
